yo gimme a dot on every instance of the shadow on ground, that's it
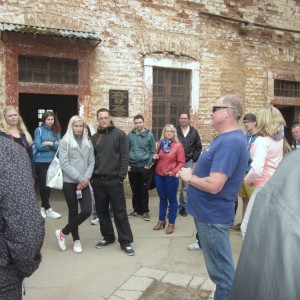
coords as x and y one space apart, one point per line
158 290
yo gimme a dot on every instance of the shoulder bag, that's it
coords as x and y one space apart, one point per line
54 174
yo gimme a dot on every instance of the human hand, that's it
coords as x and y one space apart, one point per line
155 156
185 174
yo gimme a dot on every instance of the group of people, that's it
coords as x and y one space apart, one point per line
94 167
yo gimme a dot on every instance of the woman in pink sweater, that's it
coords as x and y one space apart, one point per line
266 152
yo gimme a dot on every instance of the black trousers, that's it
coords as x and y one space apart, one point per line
41 173
111 191
75 218
138 178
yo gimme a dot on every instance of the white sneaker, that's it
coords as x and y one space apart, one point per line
95 221
50 213
77 247
43 212
61 239
193 247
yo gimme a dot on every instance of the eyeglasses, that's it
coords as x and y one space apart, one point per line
215 108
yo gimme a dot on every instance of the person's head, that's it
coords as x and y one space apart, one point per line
269 121
296 132
226 112
50 120
249 121
76 130
138 121
169 132
104 118
184 119
12 118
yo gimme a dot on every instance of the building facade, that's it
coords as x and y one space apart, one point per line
150 57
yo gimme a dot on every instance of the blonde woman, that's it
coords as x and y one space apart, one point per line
266 152
76 156
171 159
13 127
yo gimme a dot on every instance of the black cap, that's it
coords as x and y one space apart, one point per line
250 117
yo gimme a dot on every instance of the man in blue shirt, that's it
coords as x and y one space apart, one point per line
213 187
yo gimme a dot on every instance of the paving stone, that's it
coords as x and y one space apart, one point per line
152 273
136 283
127 295
177 279
208 285
196 282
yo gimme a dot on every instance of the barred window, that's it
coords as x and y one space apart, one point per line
171 96
284 88
48 70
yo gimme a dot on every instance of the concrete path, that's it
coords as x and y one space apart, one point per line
109 273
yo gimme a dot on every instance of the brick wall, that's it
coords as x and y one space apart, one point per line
234 57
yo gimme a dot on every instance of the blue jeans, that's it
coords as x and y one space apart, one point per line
216 249
184 187
167 191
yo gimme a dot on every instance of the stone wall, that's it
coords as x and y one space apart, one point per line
238 44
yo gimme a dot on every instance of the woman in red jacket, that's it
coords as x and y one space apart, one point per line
170 160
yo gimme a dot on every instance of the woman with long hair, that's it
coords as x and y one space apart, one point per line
13 127
266 153
46 140
76 156
171 159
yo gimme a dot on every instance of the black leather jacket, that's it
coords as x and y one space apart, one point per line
191 143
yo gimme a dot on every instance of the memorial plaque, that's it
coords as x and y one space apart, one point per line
118 103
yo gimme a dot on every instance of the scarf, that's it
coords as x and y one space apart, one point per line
166 145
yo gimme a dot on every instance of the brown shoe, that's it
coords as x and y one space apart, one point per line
160 225
170 229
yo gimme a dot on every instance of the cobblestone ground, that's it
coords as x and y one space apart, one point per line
158 291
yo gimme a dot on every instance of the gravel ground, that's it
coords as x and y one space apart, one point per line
166 291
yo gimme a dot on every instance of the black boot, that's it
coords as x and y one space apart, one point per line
182 212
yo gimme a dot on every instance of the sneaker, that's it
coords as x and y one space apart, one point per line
103 244
128 250
146 216
61 239
194 247
133 214
182 212
236 227
43 212
50 213
95 221
77 247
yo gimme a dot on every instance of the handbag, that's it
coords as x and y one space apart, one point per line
151 180
54 174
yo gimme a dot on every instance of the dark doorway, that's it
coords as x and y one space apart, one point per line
63 106
289 114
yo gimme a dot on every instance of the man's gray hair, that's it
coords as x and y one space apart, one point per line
235 102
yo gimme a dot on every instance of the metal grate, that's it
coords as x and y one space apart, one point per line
45 70
284 88
171 95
